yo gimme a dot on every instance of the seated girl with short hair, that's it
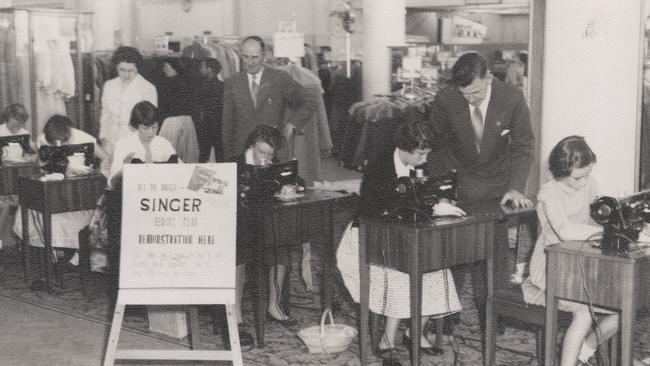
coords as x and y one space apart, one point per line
58 131
13 122
143 144
563 211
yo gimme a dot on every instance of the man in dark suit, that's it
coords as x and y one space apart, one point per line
482 128
261 95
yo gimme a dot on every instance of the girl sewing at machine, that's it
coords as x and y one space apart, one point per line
13 121
563 211
58 131
389 288
261 146
144 145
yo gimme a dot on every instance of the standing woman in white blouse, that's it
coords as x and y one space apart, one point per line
120 94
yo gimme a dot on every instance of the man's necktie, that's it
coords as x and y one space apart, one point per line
477 123
254 89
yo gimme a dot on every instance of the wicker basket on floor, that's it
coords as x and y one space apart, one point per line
327 338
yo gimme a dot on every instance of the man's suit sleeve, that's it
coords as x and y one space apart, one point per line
298 101
522 145
228 124
437 162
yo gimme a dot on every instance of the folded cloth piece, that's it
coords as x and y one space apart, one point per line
52 177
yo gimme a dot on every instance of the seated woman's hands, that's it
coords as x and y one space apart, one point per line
447 209
289 192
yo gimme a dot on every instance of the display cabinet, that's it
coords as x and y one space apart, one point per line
46 63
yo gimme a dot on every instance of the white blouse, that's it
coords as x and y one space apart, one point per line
117 102
161 150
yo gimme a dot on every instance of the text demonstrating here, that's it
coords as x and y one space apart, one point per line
178 226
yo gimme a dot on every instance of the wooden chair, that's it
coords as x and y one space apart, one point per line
508 302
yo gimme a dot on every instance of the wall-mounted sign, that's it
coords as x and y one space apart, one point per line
288 44
458 30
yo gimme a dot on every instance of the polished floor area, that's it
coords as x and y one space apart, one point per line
69 326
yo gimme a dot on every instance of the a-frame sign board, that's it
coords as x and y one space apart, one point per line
177 248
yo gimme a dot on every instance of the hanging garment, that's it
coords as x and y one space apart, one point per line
313 140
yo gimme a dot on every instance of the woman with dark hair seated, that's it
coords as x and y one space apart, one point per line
144 144
58 131
389 288
261 145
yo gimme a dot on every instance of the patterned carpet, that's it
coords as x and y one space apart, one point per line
515 348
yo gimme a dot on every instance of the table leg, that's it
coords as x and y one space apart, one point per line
551 324
494 252
628 315
364 281
416 300
490 330
260 279
328 246
195 329
47 236
26 244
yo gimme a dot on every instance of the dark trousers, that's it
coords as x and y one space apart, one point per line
209 136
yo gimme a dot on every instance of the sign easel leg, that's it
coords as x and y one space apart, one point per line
111 348
233 330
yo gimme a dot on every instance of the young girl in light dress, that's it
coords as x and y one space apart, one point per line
563 211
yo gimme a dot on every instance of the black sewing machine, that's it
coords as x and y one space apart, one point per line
622 219
262 183
420 194
22 140
55 158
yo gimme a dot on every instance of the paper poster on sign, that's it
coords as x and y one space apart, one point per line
178 226
288 44
161 43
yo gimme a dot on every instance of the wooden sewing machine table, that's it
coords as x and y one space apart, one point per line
425 247
619 281
51 197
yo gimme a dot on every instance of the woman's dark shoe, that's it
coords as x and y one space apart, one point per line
290 322
431 351
388 356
